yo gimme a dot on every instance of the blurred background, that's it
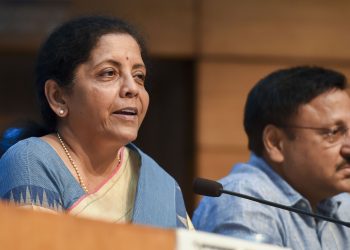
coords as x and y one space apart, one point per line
205 56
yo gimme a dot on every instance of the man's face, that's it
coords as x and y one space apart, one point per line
315 159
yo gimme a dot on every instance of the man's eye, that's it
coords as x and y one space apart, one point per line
339 131
332 132
336 133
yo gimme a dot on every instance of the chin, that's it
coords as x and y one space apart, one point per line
131 139
128 137
122 135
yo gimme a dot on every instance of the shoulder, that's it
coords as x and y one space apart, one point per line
32 146
251 180
29 154
24 158
20 154
26 177
234 215
245 179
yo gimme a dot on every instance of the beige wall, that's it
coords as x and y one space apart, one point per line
274 28
169 26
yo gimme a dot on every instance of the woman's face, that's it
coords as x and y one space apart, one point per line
108 98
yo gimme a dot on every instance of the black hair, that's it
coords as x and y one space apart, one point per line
67 47
277 97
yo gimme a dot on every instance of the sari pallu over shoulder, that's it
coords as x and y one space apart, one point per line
158 199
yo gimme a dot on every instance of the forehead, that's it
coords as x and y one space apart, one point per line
116 45
329 108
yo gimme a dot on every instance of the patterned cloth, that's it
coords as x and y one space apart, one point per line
31 173
241 218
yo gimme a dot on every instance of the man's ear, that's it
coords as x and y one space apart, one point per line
55 96
273 142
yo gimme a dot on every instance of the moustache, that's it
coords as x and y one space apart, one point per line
345 162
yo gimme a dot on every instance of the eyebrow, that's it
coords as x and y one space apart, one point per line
139 65
118 64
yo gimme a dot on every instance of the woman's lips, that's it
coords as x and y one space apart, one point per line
128 113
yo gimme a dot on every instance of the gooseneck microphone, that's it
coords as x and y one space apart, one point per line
215 189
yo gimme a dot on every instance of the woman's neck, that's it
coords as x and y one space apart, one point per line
93 156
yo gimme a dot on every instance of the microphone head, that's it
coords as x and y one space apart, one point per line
207 187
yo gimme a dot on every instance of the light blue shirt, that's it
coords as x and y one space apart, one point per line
245 219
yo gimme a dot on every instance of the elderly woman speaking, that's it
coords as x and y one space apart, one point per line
91 87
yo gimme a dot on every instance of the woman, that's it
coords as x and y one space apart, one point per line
91 88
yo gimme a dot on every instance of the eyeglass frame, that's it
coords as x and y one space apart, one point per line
328 133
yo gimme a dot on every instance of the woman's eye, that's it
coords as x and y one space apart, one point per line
109 73
140 77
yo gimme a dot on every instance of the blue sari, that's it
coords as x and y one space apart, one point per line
31 172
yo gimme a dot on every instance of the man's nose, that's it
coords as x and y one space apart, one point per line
345 148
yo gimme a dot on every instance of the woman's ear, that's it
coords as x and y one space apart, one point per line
273 142
55 96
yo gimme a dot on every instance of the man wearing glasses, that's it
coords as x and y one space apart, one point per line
297 122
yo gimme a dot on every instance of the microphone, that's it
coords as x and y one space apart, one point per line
215 189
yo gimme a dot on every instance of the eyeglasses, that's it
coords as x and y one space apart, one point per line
332 136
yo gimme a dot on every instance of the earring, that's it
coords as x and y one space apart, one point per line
61 112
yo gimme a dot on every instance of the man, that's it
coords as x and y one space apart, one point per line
297 121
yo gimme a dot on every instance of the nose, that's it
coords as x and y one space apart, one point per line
129 88
345 148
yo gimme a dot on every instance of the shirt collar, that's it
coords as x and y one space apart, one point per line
287 190
294 198
329 206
